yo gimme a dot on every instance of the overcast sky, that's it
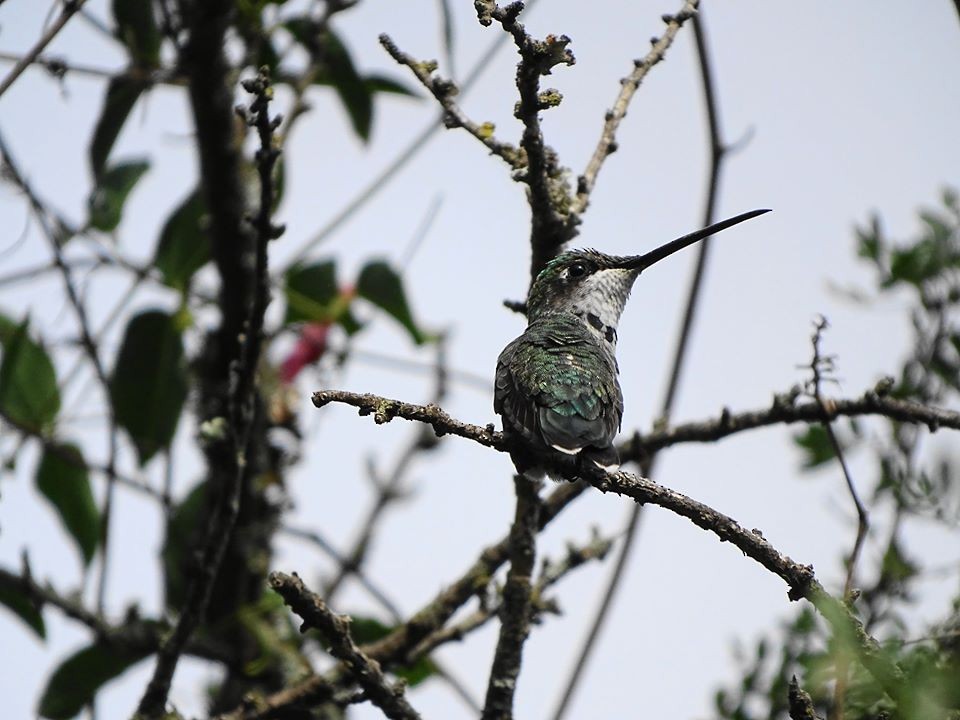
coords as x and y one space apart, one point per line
842 109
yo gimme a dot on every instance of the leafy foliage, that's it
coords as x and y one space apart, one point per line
122 94
137 29
924 269
78 678
19 603
29 395
62 479
183 247
383 286
114 185
149 382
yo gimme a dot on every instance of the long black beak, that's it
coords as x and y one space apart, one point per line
642 262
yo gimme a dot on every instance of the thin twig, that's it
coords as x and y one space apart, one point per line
445 91
552 572
608 136
819 365
336 629
69 8
549 194
395 648
143 634
55 236
369 191
390 489
315 538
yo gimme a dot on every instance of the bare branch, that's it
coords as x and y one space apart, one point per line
819 366
782 411
69 8
608 137
799 578
550 195
132 632
785 410
336 629
445 91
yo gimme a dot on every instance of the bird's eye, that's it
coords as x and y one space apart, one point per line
577 270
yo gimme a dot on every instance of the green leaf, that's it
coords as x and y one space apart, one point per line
28 384
75 683
184 246
62 478
137 29
20 604
180 544
149 383
313 295
816 446
336 69
122 95
381 285
870 243
351 88
914 264
108 197
310 290
377 83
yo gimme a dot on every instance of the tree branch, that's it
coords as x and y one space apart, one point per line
453 115
608 136
785 410
549 196
336 629
515 613
250 290
56 236
133 632
69 8
799 578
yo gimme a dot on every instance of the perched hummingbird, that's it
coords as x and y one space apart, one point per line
556 385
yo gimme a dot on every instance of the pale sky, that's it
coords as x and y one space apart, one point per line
845 108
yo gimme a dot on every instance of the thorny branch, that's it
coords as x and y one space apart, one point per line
336 629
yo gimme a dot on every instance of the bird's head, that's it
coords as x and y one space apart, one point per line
588 282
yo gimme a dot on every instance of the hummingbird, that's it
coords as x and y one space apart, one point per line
556 385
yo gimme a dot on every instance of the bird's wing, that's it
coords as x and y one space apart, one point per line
555 385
